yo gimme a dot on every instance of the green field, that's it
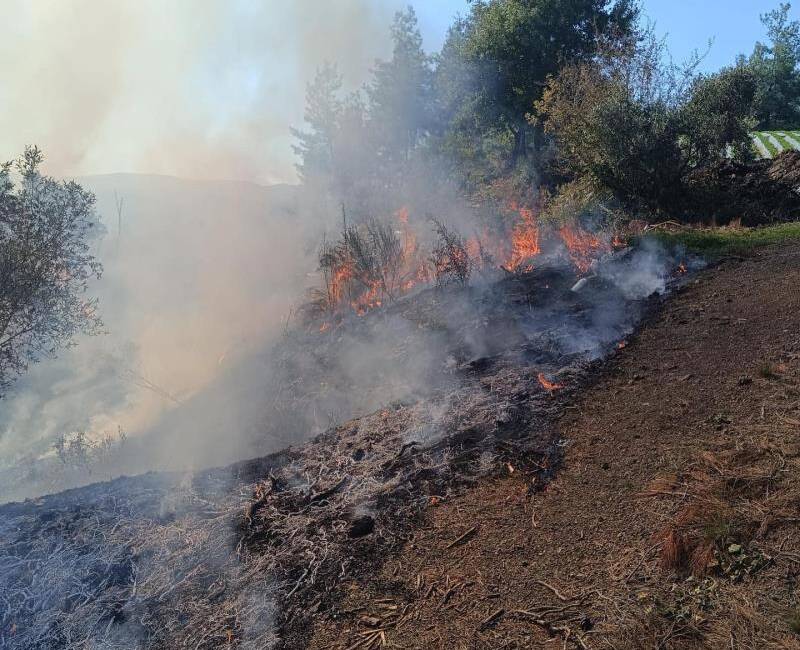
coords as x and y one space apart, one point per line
769 144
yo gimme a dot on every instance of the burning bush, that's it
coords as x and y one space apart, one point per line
370 264
451 260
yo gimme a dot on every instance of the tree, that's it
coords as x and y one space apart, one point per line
315 146
635 126
45 265
511 48
775 67
401 93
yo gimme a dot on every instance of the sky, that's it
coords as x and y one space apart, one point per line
209 88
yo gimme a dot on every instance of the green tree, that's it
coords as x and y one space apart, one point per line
315 146
510 49
775 66
45 265
401 93
636 127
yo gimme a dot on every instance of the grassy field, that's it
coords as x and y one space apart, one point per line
715 242
769 144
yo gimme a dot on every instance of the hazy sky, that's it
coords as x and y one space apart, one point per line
209 88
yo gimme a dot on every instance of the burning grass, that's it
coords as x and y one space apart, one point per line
372 264
246 556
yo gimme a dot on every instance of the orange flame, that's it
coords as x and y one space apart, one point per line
347 288
583 247
549 386
524 238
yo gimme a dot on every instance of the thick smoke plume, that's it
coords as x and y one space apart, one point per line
175 88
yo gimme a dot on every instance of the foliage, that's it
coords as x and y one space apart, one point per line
578 199
80 451
634 125
45 265
401 93
315 147
467 105
494 66
775 68
452 263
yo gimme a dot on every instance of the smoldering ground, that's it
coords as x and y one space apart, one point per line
200 281
248 551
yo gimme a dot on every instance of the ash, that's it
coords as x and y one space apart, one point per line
247 555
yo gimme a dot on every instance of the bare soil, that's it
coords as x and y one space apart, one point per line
672 522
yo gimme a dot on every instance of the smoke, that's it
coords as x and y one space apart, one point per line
198 91
197 276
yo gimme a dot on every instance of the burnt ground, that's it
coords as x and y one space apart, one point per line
672 522
253 554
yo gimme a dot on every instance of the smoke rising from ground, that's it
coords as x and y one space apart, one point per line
197 276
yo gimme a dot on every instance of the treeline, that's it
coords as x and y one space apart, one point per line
569 105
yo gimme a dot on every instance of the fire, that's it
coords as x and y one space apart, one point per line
353 284
549 386
583 247
402 215
681 268
621 345
524 238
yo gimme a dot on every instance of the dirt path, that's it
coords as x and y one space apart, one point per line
673 522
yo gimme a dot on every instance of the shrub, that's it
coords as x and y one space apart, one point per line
46 265
635 127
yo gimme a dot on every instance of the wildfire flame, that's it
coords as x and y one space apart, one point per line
549 386
349 288
524 238
583 247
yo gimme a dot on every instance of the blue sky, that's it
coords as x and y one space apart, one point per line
689 24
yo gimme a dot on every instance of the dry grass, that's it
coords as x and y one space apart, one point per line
730 540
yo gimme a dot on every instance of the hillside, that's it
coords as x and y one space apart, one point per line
472 379
672 522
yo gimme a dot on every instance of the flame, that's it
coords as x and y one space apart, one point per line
621 345
549 386
681 268
402 215
524 239
348 289
583 247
